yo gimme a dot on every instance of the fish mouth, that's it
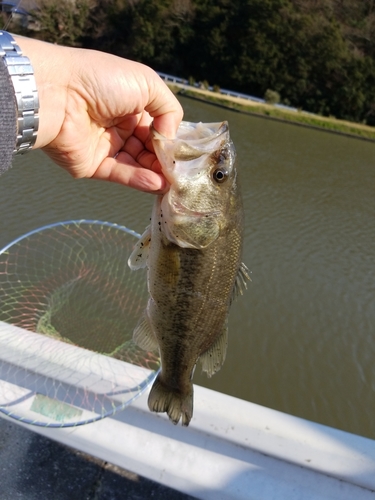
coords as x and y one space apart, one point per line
187 131
207 133
192 140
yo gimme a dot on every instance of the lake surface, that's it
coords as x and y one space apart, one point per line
302 338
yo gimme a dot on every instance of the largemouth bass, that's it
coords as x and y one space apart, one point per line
192 250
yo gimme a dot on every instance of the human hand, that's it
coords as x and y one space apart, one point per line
95 113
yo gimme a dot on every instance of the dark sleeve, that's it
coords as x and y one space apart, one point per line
8 118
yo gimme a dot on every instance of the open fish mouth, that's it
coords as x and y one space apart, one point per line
189 152
198 134
192 141
201 134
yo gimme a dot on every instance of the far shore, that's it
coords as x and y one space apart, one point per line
270 111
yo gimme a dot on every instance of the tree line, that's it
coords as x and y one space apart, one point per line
319 55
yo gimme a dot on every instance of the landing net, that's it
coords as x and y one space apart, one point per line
68 307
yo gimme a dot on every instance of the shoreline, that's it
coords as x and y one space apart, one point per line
271 112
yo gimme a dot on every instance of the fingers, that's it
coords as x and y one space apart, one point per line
125 170
144 157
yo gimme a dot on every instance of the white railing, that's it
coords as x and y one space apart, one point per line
232 450
231 93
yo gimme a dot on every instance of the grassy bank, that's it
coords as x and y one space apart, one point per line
268 110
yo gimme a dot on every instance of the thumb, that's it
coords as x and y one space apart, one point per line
164 108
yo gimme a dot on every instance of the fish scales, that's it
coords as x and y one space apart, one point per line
192 250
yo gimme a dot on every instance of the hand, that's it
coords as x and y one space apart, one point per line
95 113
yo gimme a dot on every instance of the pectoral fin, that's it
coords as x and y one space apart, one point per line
143 335
139 255
213 359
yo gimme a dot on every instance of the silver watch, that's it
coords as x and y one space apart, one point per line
22 76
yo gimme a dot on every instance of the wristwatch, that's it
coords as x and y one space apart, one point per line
22 76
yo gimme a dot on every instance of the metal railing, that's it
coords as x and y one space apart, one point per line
182 81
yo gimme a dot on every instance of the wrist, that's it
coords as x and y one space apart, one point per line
26 95
51 72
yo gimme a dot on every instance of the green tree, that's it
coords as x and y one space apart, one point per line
319 55
63 21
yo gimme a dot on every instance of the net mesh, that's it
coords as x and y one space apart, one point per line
69 305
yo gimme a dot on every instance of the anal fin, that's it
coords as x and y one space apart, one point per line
143 335
213 359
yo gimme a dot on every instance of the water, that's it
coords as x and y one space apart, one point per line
302 339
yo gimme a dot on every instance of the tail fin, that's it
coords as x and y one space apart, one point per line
177 404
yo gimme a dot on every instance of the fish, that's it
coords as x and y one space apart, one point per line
193 253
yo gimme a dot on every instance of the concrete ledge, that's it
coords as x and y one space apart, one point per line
231 450
252 452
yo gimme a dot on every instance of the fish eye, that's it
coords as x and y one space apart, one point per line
220 175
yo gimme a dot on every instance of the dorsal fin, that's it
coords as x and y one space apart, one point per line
240 283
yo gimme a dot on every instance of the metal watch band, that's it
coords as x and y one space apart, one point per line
22 76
